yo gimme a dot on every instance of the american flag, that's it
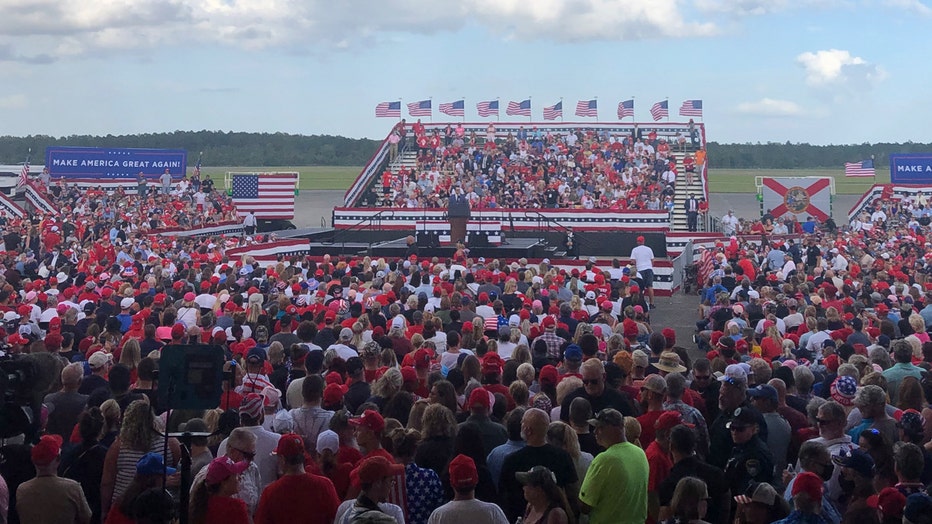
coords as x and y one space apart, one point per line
857 169
388 110
587 108
197 168
522 108
421 108
660 110
691 108
269 195
457 108
554 111
487 108
23 175
626 108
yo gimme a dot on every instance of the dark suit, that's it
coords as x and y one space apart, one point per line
692 213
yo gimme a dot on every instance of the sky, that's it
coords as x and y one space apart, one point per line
817 71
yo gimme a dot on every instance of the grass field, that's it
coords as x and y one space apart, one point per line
742 180
720 180
312 177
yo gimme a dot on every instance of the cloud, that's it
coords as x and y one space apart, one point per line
62 28
763 7
770 107
17 101
913 6
836 67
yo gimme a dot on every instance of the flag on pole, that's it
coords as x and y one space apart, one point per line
197 167
659 110
388 110
522 108
457 108
270 195
487 108
421 108
587 108
626 108
691 108
859 169
24 174
553 112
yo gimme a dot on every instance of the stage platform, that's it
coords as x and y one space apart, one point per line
511 248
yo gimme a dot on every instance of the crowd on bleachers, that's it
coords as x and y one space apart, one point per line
534 168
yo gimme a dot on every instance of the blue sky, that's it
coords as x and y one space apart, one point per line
818 71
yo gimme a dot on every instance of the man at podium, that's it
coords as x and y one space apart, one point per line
458 214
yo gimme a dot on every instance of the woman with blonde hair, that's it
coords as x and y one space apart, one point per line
438 432
771 345
561 435
130 357
139 434
690 502
565 387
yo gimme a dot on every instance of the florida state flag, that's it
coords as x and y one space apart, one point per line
807 196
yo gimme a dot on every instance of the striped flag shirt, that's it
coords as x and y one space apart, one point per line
388 110
691 108
522 108
859 169
554 111
270 196
625 108
487 108
587 108
421 108
660 110
457 108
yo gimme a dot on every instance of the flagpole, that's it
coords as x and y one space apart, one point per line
498 112
400 112
561 109
431 109
668 109
530 114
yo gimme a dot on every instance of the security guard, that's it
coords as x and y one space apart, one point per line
750 459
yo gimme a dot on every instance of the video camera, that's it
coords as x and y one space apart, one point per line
18 377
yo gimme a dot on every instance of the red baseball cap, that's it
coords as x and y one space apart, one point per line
46 450
810 484
422 359
376 468
669 420
333 395
370 419
889 501
222 468
463 473
549 375
290 445
481 397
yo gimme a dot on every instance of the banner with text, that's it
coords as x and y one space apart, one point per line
90 164
911 168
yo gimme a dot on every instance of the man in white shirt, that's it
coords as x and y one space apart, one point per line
249 223
465 508
729 223
251 417
643 257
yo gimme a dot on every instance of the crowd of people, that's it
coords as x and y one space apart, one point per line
533 168
427 390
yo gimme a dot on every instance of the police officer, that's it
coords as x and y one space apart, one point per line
750 459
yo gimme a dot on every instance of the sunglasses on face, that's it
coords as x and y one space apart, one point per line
248 455
592 382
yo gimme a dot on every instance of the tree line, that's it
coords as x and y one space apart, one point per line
787 155
282 149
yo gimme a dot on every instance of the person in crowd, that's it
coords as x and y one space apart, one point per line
536 452
690 502
213 501
615 487
376 476
250 418
289 498
546 503
48 497
465 508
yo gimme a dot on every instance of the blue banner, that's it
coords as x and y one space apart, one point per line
97 163
911 168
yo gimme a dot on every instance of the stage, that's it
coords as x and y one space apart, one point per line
511 248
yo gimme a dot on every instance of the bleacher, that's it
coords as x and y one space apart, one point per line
370 176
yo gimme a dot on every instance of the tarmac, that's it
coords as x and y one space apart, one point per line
680 311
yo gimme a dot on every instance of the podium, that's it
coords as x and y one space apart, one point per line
458 214
476 233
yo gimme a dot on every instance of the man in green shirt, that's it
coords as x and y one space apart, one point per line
615 487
